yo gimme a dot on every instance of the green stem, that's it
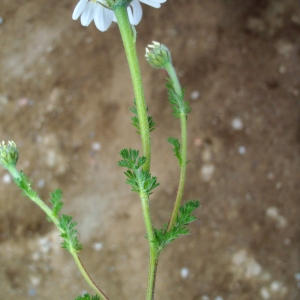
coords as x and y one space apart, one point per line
129 44
128 39
171 71
154 254
86 276
37 200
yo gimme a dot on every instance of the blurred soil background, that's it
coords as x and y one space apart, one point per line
65 91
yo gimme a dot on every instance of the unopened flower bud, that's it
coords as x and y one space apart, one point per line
9 154
158 55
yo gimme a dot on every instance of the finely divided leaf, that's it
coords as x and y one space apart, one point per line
69 234
164 237
176 149
88 297
135 120
139 179
55 199
179 106
24 184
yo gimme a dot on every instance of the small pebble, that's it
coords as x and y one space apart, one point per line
205 297
198 142
207 171
219 298
265 293
6 178
35 281
272 212
297 276
97 246
242 150
45 244
1 20
41 183
275 286
194 95
184 273
282 69
96 146
237 124
22 102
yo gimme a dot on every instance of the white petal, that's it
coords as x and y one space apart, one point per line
135 12
115 19
153 3
102 17
79 9
130 15
88 14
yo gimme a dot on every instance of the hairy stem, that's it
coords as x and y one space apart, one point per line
37 200
86 276
154 254
171 71
128 39
129 44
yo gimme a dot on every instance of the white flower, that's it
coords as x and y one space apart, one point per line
99 11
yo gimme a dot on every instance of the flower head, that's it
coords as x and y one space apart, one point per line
9 154
158 55
103 15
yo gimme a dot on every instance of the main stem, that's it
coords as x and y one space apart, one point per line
129 44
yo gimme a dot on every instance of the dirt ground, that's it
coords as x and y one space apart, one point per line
64 96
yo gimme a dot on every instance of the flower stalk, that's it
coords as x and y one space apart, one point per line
128 39
183 162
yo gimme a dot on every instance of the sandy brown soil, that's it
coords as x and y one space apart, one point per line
64 98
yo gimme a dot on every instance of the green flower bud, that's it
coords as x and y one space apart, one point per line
9 154
158 55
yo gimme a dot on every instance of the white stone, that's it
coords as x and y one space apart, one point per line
97 246
272 212
195 95
45 244
275 286
242 150
35 281
207 171
184 273
96 146
237 124
297 276
265 293
41 183
245 265
6 178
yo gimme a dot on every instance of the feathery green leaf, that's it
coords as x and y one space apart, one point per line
164 237
135 120
69 234
24 184
87 296
179 106
176 149
55 199
141 181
